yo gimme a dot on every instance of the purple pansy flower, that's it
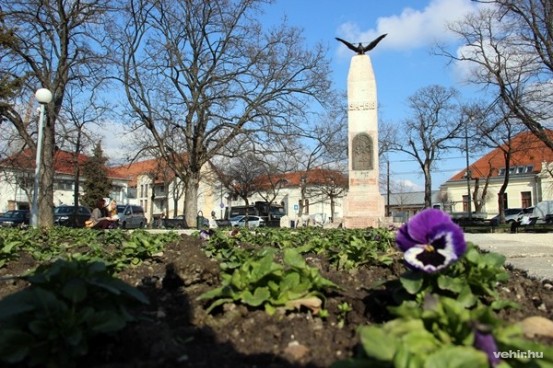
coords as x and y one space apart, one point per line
431 241
485 342
206 234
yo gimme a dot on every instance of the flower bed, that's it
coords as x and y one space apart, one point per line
300 298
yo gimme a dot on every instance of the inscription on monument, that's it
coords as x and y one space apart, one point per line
361 106
362 152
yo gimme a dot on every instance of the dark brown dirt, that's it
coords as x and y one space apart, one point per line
175 331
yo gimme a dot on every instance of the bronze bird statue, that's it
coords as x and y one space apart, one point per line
359 48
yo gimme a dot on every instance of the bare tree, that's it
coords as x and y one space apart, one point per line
431 130
242 176
509 45
77 114
198 74
323 144
328 184
495 128
480 194
57 43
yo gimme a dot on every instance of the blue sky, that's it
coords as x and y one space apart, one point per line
402 61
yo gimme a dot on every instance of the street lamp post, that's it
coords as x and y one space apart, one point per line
44 96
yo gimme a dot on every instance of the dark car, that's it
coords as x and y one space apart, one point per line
179 222
67 216
17 218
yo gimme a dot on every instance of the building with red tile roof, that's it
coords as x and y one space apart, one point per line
154 186
530 179
17 178
153 179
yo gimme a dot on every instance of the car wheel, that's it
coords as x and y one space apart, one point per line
124 225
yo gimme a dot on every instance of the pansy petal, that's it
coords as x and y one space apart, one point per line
420 259
448 235
486 343
421 224
403 240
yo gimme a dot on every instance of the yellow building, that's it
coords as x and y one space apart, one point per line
530 179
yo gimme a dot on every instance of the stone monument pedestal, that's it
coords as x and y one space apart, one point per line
364 205
364 209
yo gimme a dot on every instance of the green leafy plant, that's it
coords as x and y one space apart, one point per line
343 310
50 323
474 278
226 250
441 334
261 281
117 248
345 249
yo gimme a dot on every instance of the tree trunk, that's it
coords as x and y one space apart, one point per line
191 187
427 186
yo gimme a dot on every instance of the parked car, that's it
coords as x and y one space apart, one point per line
253 221
131 216
177 222
511 215
67 216
17 218
544 212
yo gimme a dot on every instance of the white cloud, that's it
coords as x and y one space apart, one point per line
412 28
406 186
117 141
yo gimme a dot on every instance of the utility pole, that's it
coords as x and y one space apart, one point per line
388 188
469 207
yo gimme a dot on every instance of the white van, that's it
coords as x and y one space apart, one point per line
544 212
131 217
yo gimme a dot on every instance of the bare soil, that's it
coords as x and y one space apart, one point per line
175 331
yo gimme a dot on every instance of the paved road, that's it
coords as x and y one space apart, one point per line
532 252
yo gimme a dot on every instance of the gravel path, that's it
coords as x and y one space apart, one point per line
532 252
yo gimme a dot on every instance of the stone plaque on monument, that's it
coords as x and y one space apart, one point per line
362 154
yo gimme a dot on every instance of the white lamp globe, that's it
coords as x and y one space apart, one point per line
43 95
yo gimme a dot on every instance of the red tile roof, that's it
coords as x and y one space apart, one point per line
157 167
527 150
313 177
64 162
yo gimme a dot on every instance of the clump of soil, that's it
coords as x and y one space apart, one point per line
175 331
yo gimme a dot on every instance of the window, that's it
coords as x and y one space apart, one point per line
526 199
131 192
501 171
521 169
529 168
64 185
465 203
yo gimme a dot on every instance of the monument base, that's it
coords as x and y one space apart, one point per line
363 210
362 222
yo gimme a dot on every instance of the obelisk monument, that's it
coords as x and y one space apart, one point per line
364 205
